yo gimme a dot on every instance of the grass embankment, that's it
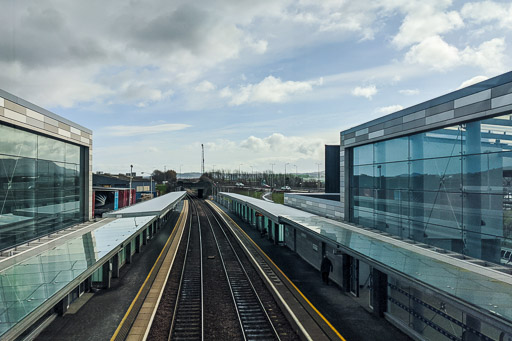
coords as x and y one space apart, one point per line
277 197
249 193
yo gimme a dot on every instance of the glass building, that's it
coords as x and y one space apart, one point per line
44 172
438 173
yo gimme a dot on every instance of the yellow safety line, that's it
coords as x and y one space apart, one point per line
282 273
147 278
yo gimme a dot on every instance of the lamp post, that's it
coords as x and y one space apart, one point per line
131 175
319 180
285 173
239 173
295 173
272 164
252 173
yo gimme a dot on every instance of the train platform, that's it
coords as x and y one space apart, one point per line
349 318
93 321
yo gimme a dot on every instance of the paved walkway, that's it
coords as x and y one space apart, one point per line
99 317
350 319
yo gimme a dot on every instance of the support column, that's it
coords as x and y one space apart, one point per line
345 281
128 255
145 236
106 274
472 204
276 233
417 227
137 243
62 306
474 324
379 292
115 266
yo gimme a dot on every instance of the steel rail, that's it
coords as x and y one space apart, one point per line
255 322
185 323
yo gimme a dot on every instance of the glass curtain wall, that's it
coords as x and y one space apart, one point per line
39 185
449 188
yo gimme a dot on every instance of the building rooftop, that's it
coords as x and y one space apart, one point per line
157 206
271 209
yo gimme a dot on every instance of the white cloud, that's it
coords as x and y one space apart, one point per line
489 11
424 20
285 146
490 56
122 130
367 91
474 80
205 86
437 54
390 109
269 90
409 92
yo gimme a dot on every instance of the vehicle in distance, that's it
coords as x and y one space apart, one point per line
286 188
265 186
239 184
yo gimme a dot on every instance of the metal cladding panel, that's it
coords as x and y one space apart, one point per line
332 169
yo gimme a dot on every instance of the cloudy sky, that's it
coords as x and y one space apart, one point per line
257 82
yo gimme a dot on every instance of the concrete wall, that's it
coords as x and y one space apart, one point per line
20 113
322 207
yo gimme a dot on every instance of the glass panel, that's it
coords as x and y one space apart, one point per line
17 199
72 153
17 142
363 217
51 149
363 155
488 136
443 174
436 143
489 172
363 197
392 150
393 175
442 216
363 177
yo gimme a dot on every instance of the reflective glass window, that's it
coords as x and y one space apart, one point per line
436 143
488 136
39 192
393 175
363 155
17 142
51 149
362 177
441 174
392 150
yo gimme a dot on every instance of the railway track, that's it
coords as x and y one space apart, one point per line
187 322
217 296
255 322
